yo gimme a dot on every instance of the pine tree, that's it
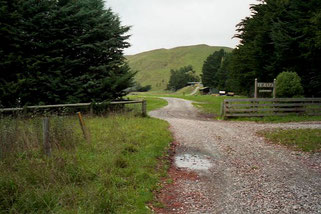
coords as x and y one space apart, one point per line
10 52
214 71
280 35
72 51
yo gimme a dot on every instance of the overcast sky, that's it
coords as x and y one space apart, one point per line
171 23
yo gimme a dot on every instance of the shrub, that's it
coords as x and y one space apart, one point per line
288 84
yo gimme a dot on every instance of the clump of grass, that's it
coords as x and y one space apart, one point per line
307 140
24 135
116 173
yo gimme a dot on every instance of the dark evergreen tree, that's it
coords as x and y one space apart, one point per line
180 77
71 51
10 52
215 70
280 35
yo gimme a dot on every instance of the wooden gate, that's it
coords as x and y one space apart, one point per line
271 107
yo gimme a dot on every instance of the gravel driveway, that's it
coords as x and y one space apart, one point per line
238 171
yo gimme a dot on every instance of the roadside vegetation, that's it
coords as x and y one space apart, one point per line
116 173
307 140
153 103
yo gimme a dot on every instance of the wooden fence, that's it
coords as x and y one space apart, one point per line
271 107
77 105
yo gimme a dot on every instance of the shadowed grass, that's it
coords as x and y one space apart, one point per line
307 140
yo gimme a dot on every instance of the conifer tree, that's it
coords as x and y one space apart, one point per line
214 71
280 35
10 52
71 51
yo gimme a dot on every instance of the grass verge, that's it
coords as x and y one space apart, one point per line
153 103
280 119
116 173
307 140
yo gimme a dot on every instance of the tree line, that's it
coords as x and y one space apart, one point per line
61 51
180 77
279 36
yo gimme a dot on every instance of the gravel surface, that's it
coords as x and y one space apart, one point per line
247 174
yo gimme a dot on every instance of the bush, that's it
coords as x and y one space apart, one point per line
288 84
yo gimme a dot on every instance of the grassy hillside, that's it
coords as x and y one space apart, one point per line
154 66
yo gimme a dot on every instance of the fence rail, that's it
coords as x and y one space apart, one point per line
89 105
271 107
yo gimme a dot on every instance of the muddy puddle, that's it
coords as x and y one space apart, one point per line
193 162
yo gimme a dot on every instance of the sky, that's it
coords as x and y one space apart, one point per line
171 23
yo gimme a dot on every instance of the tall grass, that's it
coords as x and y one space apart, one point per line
116 173
24 135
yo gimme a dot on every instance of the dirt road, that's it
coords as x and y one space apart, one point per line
232 170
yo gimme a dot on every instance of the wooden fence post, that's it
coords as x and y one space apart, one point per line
274 88
91 109
225 109
84 128
255 89
46 142
144 109
222 109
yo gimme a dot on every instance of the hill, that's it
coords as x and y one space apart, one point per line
154 66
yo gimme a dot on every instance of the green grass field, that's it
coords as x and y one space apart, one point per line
116 173
154 66
307 140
